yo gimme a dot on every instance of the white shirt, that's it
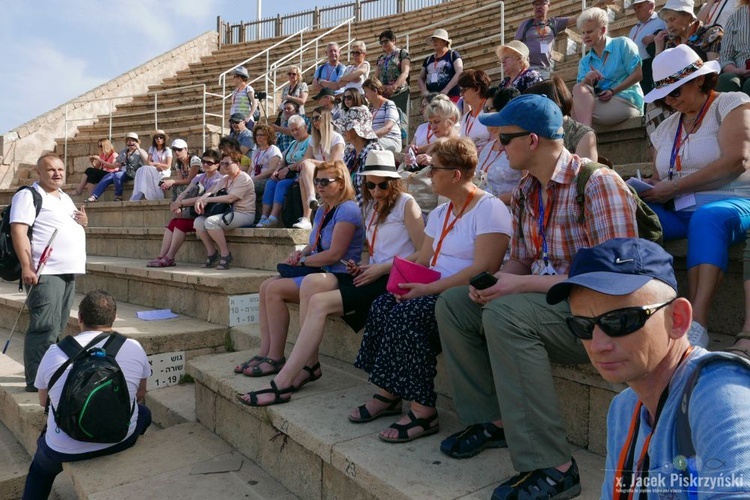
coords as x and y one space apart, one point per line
474 130
69 248
134 365
642 30
500 177
424 135
392 237
318 153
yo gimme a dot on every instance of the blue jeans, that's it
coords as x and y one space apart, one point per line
47 463
117 177
276 191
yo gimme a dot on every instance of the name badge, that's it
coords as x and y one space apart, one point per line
544 48
538 268
684 201
434 78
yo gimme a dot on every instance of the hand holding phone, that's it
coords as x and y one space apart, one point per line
483 281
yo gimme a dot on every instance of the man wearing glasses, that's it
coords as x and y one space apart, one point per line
499 341
242 134
625 309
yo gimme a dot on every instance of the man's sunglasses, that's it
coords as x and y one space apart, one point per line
233 122
382 185
506 138
617 323
208 162
323 182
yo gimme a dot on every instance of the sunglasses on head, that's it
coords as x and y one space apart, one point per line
323 181
382 185
208 162
617 323
506 138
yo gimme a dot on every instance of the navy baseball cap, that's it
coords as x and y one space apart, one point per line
534 113
616 267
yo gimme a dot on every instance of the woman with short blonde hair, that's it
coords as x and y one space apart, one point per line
357 72
295 91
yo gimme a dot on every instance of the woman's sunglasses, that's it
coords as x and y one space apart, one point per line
323 182
348 97
315 118
617 323
675 93
382 185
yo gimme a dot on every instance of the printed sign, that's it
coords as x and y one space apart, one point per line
244 309
166 369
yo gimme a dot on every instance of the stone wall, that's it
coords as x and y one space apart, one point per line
20 147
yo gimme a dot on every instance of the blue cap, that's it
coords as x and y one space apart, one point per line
619 266
534 113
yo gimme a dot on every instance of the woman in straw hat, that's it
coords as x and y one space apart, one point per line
684 27
701 187
514 57
441 69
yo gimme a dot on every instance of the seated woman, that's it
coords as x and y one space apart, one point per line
579 139
285 174
400 345
423 136
607 91
701 183
356 125
266 157
326 145
147 183
395 227
514 57
735 52
128 162
240 194
337 234
351 98
385 116
101 165
186 167
442 119
683 27
182 222
475 90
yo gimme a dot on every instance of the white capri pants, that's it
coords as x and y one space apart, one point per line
240 219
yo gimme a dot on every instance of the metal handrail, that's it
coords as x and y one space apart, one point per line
155 93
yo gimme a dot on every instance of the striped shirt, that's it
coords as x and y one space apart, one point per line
609 207
735 46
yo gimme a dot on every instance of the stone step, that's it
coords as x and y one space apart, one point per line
172 405
312 449
14 464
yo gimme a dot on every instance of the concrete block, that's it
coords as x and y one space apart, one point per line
599 402
172 405
338 486
298 469
14 465
239 429
574 407
205 406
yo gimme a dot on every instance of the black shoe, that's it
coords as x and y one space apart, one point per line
541 484
31 388
472 440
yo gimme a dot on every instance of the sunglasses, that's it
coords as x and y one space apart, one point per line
291 74
356 52
177 150
159 137
506 138
382 185
100 145
675 93
323 182
208 162
315 118
617 323
226 163
348 97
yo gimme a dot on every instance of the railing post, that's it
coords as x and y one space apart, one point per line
204 119
358 11
279 25
316 17
400 7
65 149
218 29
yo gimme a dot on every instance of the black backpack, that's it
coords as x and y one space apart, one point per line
95 404
291 209
10 267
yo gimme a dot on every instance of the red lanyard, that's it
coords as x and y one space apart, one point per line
675 162
541 30
259 160
430 134
448 227
487 161
320 228
322 153
711 12
371 243
471 118
626 466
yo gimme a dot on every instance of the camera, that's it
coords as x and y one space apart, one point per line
261 95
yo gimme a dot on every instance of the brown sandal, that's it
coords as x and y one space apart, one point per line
740 351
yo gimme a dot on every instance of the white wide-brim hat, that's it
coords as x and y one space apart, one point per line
380 163
686 6
675 67
441 34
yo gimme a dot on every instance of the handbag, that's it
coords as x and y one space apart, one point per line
194 191
289 271
405 271
224 209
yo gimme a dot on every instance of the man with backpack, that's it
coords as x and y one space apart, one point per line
115 366
680 429
499 341
50 295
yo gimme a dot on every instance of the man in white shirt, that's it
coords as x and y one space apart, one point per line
51 293
96 314
649 23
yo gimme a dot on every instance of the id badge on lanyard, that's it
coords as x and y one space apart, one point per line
542 267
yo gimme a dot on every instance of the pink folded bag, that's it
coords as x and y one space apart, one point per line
405 271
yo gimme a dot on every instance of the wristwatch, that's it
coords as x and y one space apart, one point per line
302 260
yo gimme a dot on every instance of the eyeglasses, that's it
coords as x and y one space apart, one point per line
356 52
100 145
159 137
383 42
348 97
315 118
617 323
323 182
675 93
233 122
506 138
226 163
177 150
382 185
208 162
431 168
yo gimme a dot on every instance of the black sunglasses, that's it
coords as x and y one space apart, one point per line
177 149
675 93
323 182
617 323
315 118
226 163
233 122
159 137
506 138
208 162
348 97
431 168
382 185
383 42
356 52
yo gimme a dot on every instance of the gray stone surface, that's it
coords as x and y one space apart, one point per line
14 464
172 405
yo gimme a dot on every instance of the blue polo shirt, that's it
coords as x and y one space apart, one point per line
619 59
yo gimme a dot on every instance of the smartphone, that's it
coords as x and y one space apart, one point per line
482 281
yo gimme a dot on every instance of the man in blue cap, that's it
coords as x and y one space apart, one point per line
625 309
499 342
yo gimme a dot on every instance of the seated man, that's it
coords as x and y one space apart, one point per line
499 342
242 134
96 314
623 298
327 99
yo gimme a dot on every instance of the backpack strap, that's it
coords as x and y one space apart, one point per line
584 174
73 351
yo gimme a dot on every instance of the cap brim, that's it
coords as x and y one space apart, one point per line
602 282
656 94
493 120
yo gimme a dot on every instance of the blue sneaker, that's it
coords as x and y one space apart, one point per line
541 484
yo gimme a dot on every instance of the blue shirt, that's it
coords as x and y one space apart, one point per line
345 212
330 73
719 416
619 60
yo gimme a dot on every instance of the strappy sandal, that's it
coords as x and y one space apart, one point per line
256 371
393 408
403 429
117 198
211 259
273 390
224 262
740 351
312 378
244 366
154 262
473 440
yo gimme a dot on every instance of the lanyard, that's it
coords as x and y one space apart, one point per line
371 243
471 118
604 61
259 159
320 227
626 466
638 30
675 162
542 224
541 29
711 19
447 228
487 161
322 153
430 134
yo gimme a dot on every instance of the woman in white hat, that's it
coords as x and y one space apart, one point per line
701 184
148 178
128 162
394 227
186 167
514 57
440 70
684 27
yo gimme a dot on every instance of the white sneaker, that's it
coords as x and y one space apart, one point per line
302 223
697 335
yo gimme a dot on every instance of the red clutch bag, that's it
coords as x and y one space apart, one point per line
405 271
